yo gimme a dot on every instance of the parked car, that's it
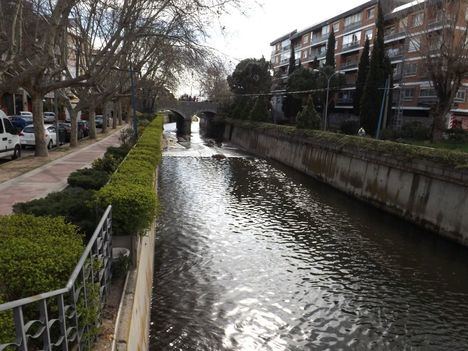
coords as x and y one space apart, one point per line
64 132
49 117
26 114
83 129
99 121
10 144
27 137
19 122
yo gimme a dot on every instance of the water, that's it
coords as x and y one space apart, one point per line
251 255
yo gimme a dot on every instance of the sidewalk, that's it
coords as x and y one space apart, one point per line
52 176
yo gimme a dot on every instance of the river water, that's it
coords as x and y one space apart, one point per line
251 255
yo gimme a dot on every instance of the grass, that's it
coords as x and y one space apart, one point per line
446 145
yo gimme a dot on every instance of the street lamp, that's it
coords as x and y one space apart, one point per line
329 78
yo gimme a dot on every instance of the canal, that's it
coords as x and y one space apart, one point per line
251 255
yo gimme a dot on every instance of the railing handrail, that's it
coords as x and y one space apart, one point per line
27 300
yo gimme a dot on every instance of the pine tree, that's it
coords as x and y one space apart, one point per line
330 56
292 61
308 118
379 71
261 110
362 76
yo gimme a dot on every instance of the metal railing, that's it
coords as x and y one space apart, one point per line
67 318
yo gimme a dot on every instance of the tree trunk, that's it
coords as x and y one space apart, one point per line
119 111
105 117
439 120
38 121
74 127
114 116
92 121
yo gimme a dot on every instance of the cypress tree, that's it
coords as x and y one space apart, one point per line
292 60
379 70
362 76
308 118
261 110
330 56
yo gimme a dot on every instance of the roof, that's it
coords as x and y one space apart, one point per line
407 6
335 18
284 37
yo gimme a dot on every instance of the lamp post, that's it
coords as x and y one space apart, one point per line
328 78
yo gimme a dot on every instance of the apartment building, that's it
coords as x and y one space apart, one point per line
413 95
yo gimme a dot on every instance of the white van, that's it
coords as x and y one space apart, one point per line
9 139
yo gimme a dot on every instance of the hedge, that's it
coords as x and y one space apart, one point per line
131 189
75 204
88 178
37 254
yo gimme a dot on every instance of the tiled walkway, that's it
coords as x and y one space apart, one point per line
52 176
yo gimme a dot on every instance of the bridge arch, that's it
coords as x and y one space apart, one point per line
188 109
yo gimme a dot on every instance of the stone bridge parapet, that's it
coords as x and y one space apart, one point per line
188 109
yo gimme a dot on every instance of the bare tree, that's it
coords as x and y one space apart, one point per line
214 82
41 37
443 43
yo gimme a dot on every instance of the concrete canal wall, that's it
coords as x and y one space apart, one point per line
431 194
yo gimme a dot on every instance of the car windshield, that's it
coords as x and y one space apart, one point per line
29 129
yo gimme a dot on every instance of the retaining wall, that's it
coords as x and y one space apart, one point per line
424 192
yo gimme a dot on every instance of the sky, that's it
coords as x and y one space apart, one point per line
238 36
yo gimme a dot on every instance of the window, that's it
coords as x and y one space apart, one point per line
408 93
461 95
316 36
325 30
414 44
351 39
336 27
9 127
370 13
353 19
403 24
418 19
1 127
410 69
369 34
427 92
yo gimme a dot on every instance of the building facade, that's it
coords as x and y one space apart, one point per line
413 95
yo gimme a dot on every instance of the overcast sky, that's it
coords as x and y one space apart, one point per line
249 35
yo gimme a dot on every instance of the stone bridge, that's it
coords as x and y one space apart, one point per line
188 109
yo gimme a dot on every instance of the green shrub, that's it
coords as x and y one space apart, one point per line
88 178
75 204
457 136
261 110
38 254
6 325
415 131
118 152
308 118
131 189
106 164
350 127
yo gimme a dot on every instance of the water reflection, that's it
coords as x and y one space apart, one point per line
253 256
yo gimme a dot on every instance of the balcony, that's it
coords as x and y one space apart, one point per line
345 101
352 26
349 65
395 36
427 101
319 39
350 46
395 54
